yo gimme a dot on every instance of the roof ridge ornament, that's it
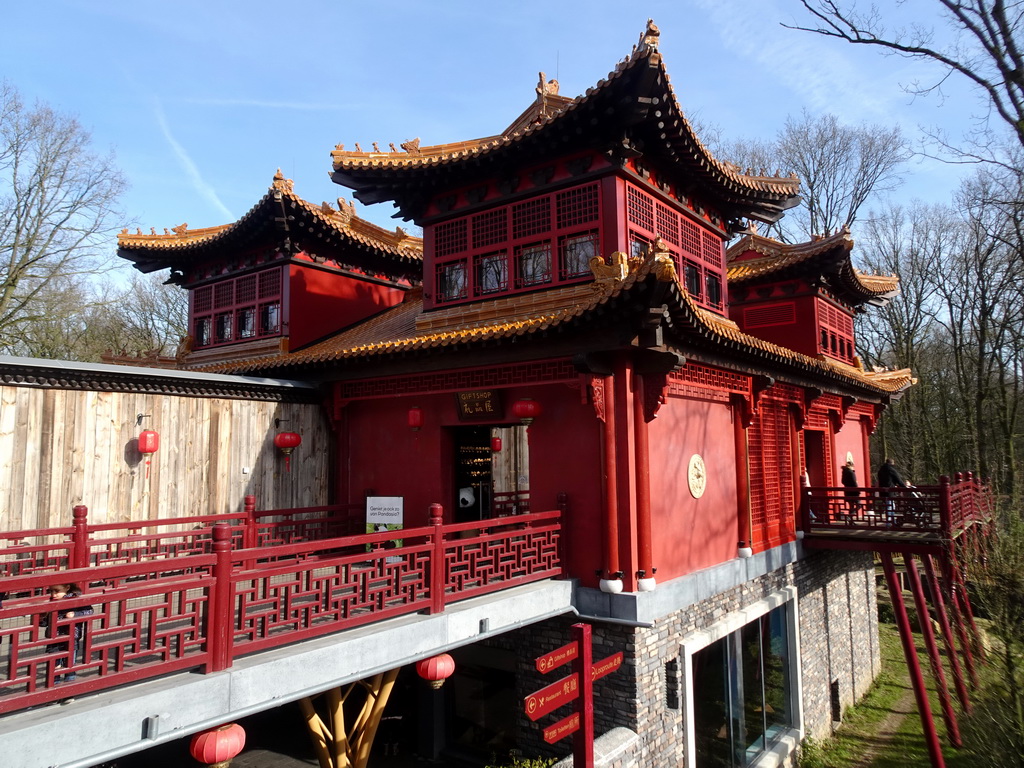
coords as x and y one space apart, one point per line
281 183
649 39
412 146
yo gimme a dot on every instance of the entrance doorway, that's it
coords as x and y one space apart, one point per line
488 482
814 454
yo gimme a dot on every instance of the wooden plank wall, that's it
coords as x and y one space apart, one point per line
59 448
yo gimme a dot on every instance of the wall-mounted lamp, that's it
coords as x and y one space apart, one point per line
526 410
415 418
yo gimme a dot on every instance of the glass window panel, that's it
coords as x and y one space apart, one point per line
224 326
270 318
203 331
246 322
711 708
451 281
577 251
535 264
492 272
776 671
692 275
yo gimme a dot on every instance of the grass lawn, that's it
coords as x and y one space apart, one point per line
884 729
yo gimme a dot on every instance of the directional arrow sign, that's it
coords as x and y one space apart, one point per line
552 697
606 666
562 728
558 657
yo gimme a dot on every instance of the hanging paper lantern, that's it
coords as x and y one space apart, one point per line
149 443
496 444
415 418
286 442
436 669
216 747
526 410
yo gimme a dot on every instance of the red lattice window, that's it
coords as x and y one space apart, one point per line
450 237
237 309
531 218
835 330
515 247
772 489
489 228
698 253
577 206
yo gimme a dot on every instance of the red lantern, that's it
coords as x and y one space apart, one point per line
286 442
436 669
526 410
216 747
496 444
415 418
149 443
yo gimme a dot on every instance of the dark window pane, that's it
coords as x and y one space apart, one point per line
246 322
692 274
577 251
492 272
202 332
711 711
451 281
270 318
224 327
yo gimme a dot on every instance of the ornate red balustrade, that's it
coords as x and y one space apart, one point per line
202 610
936 512
87 544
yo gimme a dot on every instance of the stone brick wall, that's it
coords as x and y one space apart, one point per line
837 628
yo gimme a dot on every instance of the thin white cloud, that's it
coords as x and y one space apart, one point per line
190 168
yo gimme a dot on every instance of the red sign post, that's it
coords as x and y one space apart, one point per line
577 686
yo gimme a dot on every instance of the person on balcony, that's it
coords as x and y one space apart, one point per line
71 649
890 477
849 478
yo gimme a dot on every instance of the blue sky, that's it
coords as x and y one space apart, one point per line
203 101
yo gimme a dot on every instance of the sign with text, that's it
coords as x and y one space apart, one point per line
385 513
606 666
481 405
562 728
552 697
557 657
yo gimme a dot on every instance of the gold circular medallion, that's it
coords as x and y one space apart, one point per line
696 476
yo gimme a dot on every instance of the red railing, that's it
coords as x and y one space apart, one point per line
940 510
84 544
151 617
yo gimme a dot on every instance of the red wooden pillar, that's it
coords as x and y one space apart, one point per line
436 519
221 615
910 652
79 557
611 579
947 633
924 619
739 433
250 537
958 619
642 472
965 602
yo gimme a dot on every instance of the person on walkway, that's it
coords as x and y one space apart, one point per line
849 478
890 477
71 649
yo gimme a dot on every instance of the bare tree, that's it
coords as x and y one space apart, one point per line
985 46
841 168
57 208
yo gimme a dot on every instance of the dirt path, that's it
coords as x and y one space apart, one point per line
887 728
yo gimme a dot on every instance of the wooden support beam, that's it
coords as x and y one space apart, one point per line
910 653
958 619
947 633
924 619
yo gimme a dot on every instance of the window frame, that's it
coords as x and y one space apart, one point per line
217 315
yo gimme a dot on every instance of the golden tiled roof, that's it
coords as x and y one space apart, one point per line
776 256
412 155
407 328
341 219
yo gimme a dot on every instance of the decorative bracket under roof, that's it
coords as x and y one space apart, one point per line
749 404
811 394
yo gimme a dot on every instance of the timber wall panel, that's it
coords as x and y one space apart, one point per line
59 448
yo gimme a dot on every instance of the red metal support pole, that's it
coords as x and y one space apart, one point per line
947 633
437 584
924 619
931 737
221 613
583 741
958 619
645 572
79 557
611 487
965 603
